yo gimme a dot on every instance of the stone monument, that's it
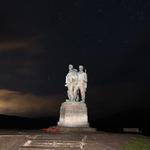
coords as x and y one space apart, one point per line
73 112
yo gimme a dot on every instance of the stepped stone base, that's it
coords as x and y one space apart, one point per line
73 114
76 129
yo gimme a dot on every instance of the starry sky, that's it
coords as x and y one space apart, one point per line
39 38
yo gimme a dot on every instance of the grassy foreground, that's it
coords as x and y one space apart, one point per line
138 144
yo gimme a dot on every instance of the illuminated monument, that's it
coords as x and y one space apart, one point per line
73 112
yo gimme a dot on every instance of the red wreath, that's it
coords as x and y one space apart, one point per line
51 130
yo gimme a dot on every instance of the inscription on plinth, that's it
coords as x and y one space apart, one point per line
73 114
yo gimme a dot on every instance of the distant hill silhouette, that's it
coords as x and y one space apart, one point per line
138 118
15 122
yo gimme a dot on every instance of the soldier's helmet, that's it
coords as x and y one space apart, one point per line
80 67
70 66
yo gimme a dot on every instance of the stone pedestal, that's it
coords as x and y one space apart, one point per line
73 114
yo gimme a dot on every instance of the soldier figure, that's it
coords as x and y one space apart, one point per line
71 82
81 84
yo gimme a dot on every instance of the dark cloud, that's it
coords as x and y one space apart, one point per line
19 44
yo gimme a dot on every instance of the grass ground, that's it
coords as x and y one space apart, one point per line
138 144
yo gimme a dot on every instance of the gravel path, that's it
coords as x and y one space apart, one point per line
11 140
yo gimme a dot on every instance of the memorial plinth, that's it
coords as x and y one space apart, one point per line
73 114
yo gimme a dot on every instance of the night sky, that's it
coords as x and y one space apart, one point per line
39 38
